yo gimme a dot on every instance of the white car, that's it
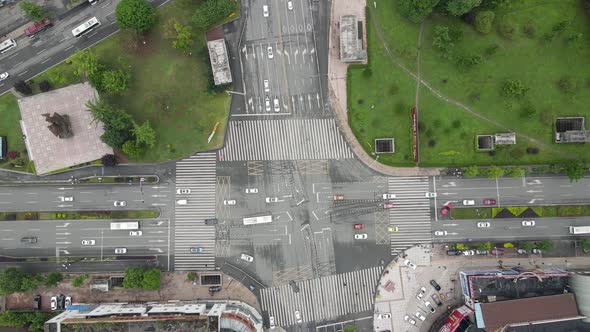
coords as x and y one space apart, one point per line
251 190
135 233
388 196
290 5
54 303
265 12
66 199
247 258
430 307
468 253
420 316
408 319
360 236
528 223
298 317
183 191
272 199
271 321
266 86
277 106
181 202
120 203
270 53
267 104
421 293
68 301
410 264
468 202
229 202
430 195
483 224
88 242
120 251
440 233
383 316
4 76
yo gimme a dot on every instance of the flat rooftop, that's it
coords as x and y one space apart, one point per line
351 42
219 61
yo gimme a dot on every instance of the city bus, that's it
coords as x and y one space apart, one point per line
580 229
6 45
127 225
86 27
257 220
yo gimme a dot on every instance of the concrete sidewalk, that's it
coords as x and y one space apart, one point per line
337 78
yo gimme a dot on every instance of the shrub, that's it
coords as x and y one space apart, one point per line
213 11
566 84
471 171
12 155
514 88
191 276
527 111
484 21
507 28
532 150
44 86
530 30
22 87
431 143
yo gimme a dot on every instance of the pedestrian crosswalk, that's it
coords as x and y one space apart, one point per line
289 139
197 173
411 212
323 298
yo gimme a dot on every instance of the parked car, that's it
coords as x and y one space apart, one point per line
383 316
528 223
358 226
61 301
408 319
388 196
251 190
54 303
468 252
392 229
388 205
88 242
276 105
66 198
435 285
420 316
446 209
37 302
468 202
120 203
298 317
421 293
211 221
537 251
135 233
497 251
430 195
489 201
28 240
521 251
68 301
183 191
440 233
267 104
429 307
481 252
338 197
271 322
360 236
120 251
214 289
272 199
410 264
270 53
453 252
247 258
196 250
436 299
483 224
181 202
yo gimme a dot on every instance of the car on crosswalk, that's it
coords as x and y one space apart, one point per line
388 196
196 250
183 191
360 236
358 226
392 229
430 195
298 317
271 322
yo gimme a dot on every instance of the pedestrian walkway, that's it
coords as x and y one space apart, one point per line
290 139
197 173
411 213
323 298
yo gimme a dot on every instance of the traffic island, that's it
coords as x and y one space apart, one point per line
521 212
79 215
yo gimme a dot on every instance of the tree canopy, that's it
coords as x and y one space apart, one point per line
460 7
213 11
135 14
151 279
416 10
144 134
33 10
133 277
484 21
575 170
11 281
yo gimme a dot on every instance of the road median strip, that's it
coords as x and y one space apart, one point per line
525 212
79 215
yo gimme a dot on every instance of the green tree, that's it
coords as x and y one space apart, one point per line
139 15
31 283
132 149
182 35
151 279
144 134
507 28
350 328
86 61
79 280
53 278
471 171
484 21
528 246
117 124
191 276
213 11
441 37
11 280
33 11
460 7
133 277
575 170
416 10
515 172
114 81
514 88
494 172
545 245
33 321
585 245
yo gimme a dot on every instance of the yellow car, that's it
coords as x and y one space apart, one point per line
392 229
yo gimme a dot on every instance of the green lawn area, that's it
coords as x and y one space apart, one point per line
10 127
541 211
166 87
380 103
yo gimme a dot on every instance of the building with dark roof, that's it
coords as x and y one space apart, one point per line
571 130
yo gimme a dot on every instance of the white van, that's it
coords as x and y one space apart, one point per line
181 202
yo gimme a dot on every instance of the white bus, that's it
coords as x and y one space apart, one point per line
86 27
6 45
124 225
257 220
580 229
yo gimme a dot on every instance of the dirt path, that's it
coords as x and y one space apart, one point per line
450 100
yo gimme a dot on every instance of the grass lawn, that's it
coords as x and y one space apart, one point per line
447 132
10 127
541 211
166 87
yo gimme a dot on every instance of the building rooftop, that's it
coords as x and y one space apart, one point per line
351 40
219 61
505 138
49 152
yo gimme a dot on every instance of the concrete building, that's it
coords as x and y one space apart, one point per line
351 40
50 152
218 56
571 130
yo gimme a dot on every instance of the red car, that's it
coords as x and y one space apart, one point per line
497 251
388 205
359 226
489 201
446 209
